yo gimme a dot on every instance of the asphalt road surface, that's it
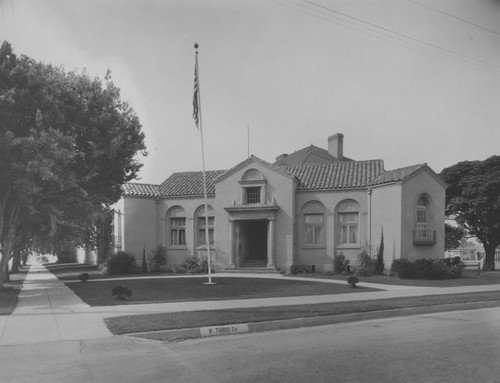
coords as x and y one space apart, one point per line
446 347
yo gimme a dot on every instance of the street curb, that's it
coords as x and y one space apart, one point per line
286 324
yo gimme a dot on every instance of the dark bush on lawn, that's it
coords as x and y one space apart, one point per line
352 280
427 269
84 277
121 292
121 263
158 259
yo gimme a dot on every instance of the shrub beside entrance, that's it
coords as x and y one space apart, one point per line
447 268
122 263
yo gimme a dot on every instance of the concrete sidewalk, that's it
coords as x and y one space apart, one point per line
48 311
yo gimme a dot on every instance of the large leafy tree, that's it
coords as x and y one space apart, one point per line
453 236
473 200
67 145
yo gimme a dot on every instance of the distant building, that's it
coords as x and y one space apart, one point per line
301 210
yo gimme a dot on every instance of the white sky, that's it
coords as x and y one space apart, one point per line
408 81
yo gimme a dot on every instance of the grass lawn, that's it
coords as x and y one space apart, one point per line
168 321
98 292
469 278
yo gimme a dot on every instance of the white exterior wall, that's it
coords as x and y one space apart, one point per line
386 218
423 183
322 257
175 254
139 226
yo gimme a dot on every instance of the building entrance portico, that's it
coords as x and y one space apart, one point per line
253 240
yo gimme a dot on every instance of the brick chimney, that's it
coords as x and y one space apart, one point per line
336 146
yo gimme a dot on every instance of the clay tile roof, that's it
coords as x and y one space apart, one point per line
308 155
396 174
189 183
337 175
141 190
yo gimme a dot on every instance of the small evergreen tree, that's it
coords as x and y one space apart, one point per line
379 263
144 263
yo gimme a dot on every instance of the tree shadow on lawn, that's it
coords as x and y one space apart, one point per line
98 293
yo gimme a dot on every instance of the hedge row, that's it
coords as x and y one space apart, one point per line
441 268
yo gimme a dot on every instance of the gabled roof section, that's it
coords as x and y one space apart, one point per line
396 175
337 175
140 190
257 160
402 174
189 183
308 155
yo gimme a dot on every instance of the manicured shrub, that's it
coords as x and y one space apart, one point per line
427 268
339 263
84 277
352 280
158 259
456 270
422 268
300 269
121 263
192 265
67 255
379 263
366 265
214 266
403 268
121 292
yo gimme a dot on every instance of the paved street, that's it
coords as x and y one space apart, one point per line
446 347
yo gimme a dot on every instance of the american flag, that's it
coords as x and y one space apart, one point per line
196 109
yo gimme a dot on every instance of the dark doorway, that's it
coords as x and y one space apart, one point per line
253 243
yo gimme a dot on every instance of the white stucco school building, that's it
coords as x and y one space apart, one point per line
301 210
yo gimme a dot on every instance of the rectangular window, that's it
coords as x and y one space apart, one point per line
313 229
348 228
201 230
177 231
252 195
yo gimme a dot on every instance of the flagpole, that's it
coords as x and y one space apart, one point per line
248 141
198 101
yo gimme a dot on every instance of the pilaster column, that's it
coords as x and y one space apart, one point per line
271 243
232 254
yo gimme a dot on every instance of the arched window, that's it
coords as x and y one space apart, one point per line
422 216
201 225
348 222
177 226
313 215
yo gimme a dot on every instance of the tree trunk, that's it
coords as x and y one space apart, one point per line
16 262
4 269
489 257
